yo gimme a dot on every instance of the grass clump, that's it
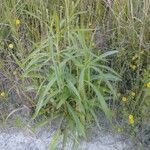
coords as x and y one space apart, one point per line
58 58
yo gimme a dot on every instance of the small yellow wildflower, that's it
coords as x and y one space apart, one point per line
124 99
11 46
18 22
133 94
148 85
131 119
3 94
133 66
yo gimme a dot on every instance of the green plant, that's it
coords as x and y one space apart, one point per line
71 84
56 56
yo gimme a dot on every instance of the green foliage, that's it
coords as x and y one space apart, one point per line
62 55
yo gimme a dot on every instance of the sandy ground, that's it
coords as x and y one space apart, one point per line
25 138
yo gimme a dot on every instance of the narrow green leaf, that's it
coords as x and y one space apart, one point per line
108 54
42 97
79 125
52 145
75 91
101 101
81 82
95 118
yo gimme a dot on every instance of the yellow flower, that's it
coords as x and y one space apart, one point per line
133 66
3 94
11 46
131 119
133 94
148 85
18 22
124 99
